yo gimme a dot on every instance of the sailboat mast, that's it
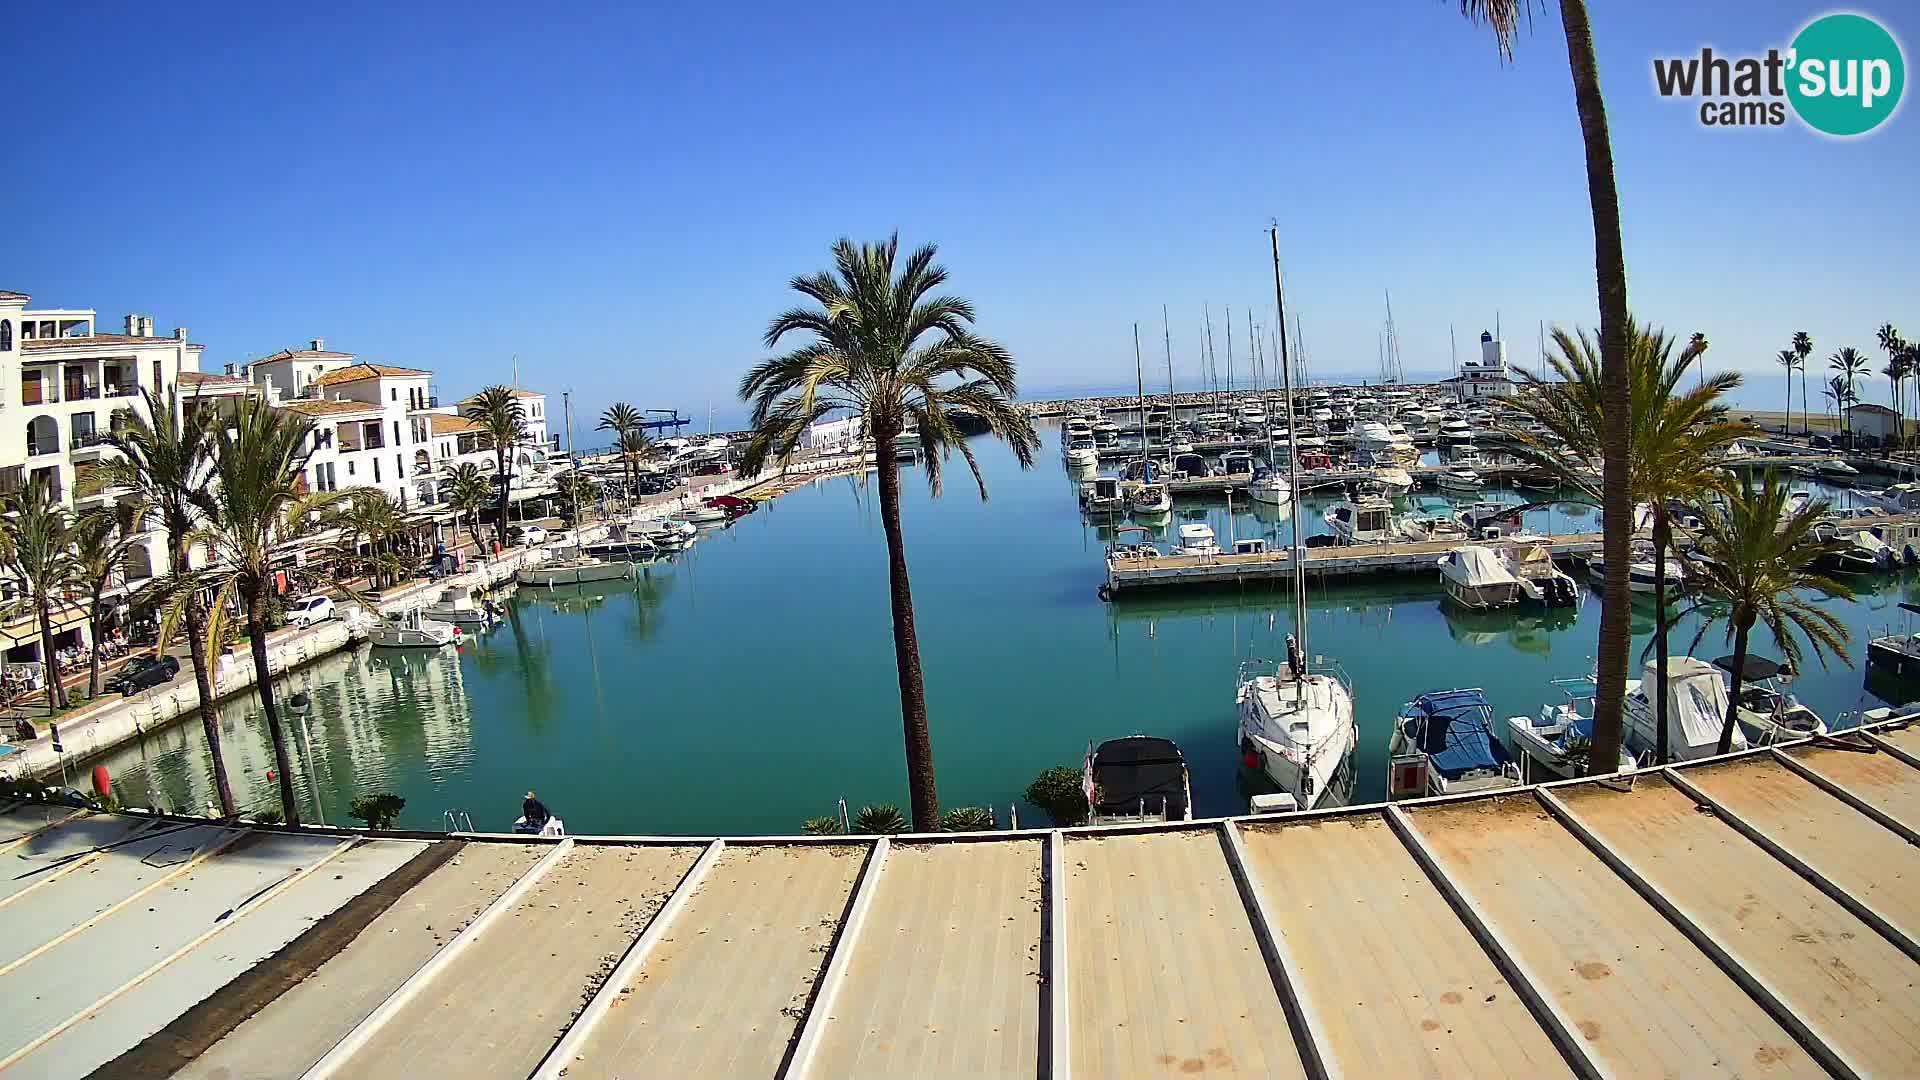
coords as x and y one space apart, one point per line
1140 388
1229 320
1173 409
1213 364
1297 555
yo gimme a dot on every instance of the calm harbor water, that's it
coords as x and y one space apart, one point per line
749 684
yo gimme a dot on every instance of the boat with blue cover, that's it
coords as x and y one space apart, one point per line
1444 744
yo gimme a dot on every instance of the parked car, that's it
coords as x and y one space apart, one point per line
528 535
143 672
310 610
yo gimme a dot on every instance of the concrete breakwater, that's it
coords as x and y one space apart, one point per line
108 724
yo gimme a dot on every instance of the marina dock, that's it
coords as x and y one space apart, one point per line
1746 915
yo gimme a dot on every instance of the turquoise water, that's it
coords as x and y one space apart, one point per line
749 684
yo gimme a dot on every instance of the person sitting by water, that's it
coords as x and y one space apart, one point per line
535 812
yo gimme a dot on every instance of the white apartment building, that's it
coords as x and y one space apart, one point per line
63 385
371 422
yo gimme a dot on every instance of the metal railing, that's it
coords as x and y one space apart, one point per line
82 393
124 390
38 448
83 439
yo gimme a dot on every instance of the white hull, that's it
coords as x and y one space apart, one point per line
1305 768
428 635
475 618
1483 597
1270 494
549 576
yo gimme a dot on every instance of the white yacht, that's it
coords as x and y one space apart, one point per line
1455 430
1237 463
1367 519
1640 572
1103 496
1383 443
1270 489
1253 417
1196 538
1478 579
412 630
1461 480
1076 427
463 606
1082 454
1105 430
1212 421
1897 499
1296 725
1393 479
1541 582
1696 709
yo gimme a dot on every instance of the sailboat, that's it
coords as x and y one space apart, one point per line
1296 716
1269 488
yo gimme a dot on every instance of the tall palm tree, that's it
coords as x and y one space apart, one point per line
100 547
1788 359
1849 366
468 492
1836 391
1899 366
634 448
1803 348
166 460
36 550
886 347
1610 281
260 503
621 418
373 518
1675 437
498 410
1753 563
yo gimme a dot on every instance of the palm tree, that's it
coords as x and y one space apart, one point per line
260 503
468 492
498 410
1899 366
1675 438
36 550
100 547
1789 360
621 419
1753 563
1850 365
579 492
373 518
1836 391
888 349
634 448
1803 348
166 459
1610 281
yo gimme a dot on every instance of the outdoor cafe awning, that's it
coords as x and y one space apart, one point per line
26 631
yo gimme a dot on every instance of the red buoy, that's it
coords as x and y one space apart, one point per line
102 783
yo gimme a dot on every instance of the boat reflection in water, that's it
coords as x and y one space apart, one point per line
371 719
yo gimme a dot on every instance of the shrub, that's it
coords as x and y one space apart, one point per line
823 826
967 819
884 818
1058 792
378 811
269 817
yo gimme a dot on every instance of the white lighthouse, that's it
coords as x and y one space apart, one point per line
1487 377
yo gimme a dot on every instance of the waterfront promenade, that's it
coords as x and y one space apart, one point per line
1743 916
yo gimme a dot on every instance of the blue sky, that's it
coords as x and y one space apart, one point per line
619 198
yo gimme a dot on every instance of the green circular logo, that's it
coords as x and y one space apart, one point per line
1846 74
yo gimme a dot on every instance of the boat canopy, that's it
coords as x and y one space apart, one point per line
1696 698
1475 567
1756 669
1454 729
1124 772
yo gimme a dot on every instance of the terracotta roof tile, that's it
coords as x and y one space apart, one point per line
96 340
304 354
443 424
202 378
322 407
367 371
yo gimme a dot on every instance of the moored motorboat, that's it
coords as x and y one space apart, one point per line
573 571
1478 579
1365 519
464 606
1541 582
1197 538
1103 496
412 630
1150 499
1768 713
1555 743
1461 480
1138 778
1443 743
1696 709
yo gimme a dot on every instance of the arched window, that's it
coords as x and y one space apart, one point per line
6 335
43 436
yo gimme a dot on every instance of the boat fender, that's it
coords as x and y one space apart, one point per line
102 783
1105 593
1250 755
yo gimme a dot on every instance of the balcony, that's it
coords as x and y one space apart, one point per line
38 394
123 390
82 392
42 447
89 445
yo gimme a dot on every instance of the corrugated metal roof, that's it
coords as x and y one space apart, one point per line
1752 915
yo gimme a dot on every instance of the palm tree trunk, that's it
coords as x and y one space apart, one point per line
1662 536
1741 626
49 661
906 647
263 681
506 493
93 634
209 720
1610 276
